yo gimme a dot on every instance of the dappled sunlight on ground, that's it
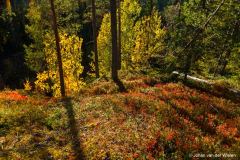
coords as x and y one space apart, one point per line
160 120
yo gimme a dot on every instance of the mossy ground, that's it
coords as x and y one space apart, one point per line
152 120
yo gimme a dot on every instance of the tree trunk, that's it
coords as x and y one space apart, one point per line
115 56
203 3
188 65
151 6
179 9
119 35
216 70
225 62
94 26
59 57
1 83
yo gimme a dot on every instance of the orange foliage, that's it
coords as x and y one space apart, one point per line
13 95
170 136
135 155
226 130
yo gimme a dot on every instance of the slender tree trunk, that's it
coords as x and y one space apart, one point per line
179 9
188 65
203 2
119 35
81 8
151 6
59 57
94 26
114 40
1 83
216 71
225 62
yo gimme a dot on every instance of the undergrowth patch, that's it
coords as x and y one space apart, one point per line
153 120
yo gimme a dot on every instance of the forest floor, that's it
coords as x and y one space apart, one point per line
153 120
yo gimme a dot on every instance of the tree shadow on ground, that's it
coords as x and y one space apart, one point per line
206 128
74 132
201 124
218 110
217 91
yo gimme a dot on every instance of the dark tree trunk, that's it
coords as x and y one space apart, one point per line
59 57
151 6
179 9
203 2
119 34
225 62
216 71
115 56
1 83
94 26
188 65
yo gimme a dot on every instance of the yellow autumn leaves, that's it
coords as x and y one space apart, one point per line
48 81
141 37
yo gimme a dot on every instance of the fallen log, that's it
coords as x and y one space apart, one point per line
210 87
192 78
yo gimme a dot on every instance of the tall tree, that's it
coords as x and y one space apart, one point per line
115 56
119 34
94 26
134 30
57 39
